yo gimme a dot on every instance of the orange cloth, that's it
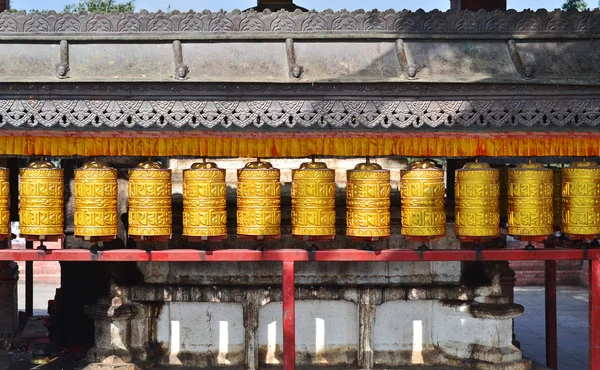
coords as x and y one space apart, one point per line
344 144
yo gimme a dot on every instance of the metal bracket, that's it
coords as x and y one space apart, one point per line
295 70
62 68
527 70
181 70
410 71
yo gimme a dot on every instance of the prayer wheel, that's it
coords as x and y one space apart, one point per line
95 208
581 200
368 202
422 193
258 201
530 191
4 203
313 201
150 195
204 202
477 189
41 201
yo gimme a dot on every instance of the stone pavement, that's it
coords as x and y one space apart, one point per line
572 311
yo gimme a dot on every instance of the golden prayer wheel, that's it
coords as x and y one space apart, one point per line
41 193
530 191
368 202
258 201
313 201
150 196
4 203
422 193
581 200
95 206
477 189
204 202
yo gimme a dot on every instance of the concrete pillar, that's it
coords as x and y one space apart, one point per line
475 5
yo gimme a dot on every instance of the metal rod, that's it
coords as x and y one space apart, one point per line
340 255
594 323
29 282
551 332
289 317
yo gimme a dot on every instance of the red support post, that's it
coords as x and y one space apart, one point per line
551 330
289 317
594 324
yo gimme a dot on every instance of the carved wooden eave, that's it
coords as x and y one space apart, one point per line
282 72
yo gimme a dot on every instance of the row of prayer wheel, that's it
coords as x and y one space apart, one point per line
422 192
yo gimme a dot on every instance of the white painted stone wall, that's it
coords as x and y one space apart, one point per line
212 332
326 333
415 332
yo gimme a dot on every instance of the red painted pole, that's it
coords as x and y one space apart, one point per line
594 324
289 317
551 331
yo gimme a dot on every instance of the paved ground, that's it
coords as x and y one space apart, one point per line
572 310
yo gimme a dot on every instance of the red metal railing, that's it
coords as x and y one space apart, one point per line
290 256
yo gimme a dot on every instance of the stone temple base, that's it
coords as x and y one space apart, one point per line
364 327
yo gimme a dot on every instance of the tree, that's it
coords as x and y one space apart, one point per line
101 6
575 4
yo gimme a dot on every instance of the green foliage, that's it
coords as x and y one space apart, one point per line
101 6
575 4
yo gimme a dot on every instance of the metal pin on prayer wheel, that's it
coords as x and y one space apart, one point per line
150 197
422 193
41 201
368 202
204 202
477 189
530 190
4 204
258 201
95 202
581 200
313 202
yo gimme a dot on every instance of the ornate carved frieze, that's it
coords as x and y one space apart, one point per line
300 114
405 22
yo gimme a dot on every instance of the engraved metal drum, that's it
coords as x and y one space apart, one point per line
368 202
150 196
95 209
259 201
530 191
204 202
4 203
422 192
477 190
41 200
313 201
581 200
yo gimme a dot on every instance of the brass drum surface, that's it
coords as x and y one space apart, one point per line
581 200
422 193
477 193
313 202
41 201
95 206
530 193
204 202
368 203
4 203
150 197
258 202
